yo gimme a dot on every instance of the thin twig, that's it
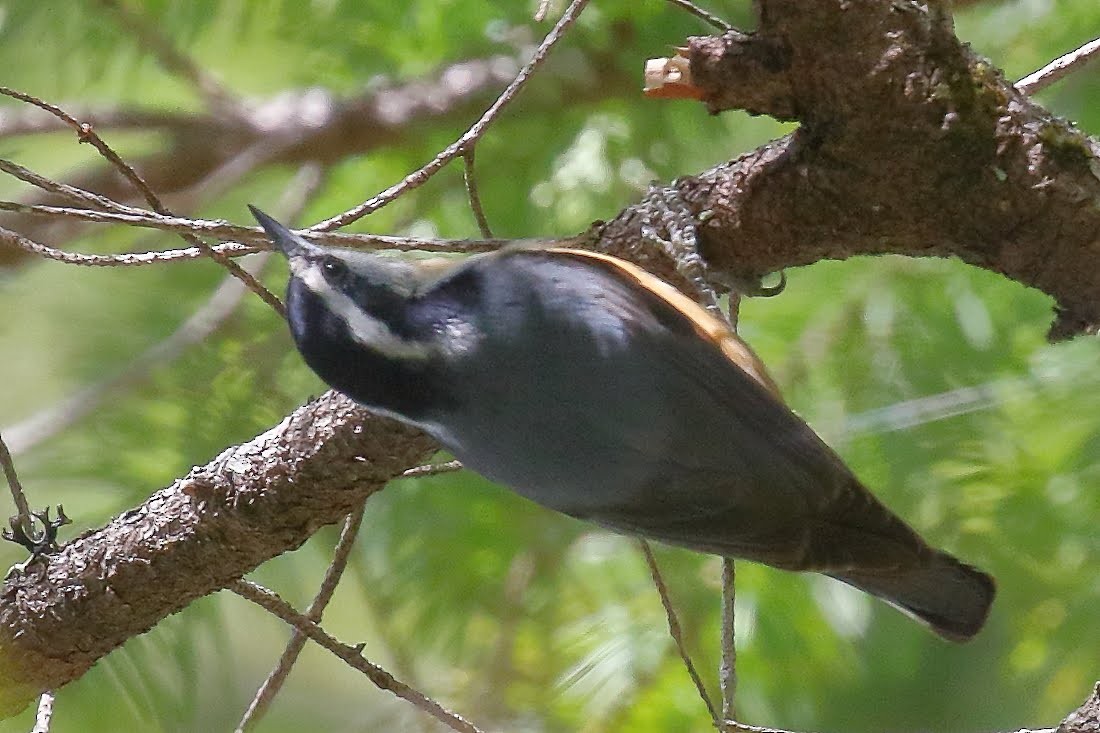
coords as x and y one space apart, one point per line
271 602
44 714
241 234
732 726
206 320
471 193
431 469
129 259
17 495
459 146
727 672
72 193
1059 68
705 15
665 209
275 679
173 60
86 134
675 630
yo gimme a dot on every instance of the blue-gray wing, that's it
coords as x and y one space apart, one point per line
732 470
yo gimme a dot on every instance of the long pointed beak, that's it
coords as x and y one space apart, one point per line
286 241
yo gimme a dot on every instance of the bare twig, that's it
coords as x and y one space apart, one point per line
459 146
17 494
727 672
675 630
666 211
431 469
275 679
471 193
243 240
252 234
1059 68
129 259
172 59
86 134
197 328
353 656
74 194
44 715
704 15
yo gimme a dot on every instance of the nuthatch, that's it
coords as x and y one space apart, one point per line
593 388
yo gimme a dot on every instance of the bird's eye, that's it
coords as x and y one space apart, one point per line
335 269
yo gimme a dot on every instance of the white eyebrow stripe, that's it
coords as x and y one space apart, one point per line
366 330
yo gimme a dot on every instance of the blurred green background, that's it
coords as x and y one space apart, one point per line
516 617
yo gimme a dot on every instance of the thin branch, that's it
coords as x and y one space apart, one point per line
275 679
210 185
217 97
666 211
204 322
675 630
459 146
705 15
1059 68
234 269
72 193
86 134
129 259
353 656
17 494
242 240
431 469
727 672
237 249
44 715
471 193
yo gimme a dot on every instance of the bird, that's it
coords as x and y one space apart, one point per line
596 389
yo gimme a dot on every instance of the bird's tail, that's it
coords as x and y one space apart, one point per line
950 597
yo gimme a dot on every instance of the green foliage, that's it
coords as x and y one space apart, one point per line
516 617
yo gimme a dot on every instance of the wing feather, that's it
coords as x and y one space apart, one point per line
744 475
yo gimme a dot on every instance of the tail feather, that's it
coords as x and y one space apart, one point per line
950 597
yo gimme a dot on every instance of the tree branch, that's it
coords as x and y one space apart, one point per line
62 613
910 144
298 127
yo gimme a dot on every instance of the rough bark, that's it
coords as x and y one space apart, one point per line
909 144
60 614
